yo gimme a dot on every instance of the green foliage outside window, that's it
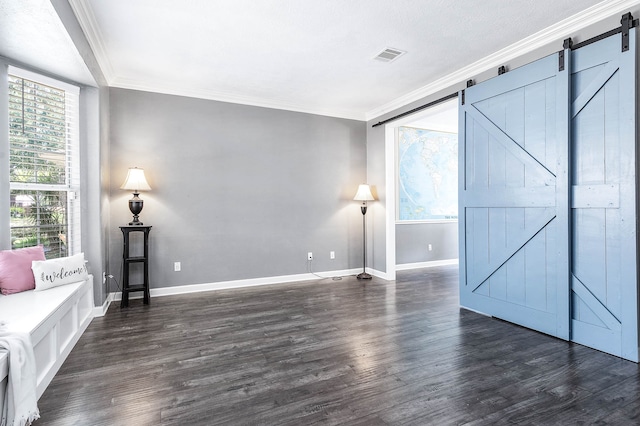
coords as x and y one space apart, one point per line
38 163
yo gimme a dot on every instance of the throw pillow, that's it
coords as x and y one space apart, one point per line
15 269
55 272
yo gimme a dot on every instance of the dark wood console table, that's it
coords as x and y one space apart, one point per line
127 260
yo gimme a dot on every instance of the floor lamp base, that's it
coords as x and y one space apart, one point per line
363 276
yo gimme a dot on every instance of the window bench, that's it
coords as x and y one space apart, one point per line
55 319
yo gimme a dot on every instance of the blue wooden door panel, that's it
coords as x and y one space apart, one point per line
513 231
508 231
548 235
512 155
603 189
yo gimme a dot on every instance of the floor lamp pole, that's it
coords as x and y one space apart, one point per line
364 275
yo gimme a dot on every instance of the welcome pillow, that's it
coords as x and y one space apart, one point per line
15 269
56 272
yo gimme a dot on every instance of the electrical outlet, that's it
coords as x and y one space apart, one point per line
430 247
309 256
104 277
332 255
177 267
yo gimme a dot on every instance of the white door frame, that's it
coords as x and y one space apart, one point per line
390 133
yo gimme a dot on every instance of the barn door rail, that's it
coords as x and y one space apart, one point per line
626 23
420 108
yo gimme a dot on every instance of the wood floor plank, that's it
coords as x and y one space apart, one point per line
332 352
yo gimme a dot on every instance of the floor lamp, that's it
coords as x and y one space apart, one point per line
364 195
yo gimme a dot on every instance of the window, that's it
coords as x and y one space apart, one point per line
44 175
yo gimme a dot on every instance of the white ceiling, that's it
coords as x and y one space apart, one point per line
31 32
303 55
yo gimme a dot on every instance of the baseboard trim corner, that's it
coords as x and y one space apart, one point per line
100 311
379 274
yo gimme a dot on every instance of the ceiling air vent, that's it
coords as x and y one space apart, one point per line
389 54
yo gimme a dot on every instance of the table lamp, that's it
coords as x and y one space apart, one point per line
135 182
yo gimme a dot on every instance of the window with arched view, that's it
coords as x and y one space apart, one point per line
43 164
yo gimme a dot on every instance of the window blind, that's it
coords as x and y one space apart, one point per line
44 167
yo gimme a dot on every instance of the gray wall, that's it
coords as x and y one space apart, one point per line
376 136
238 192
413 239
93 143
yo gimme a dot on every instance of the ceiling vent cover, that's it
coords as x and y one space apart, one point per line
389 54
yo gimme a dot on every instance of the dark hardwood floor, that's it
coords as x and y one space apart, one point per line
332 352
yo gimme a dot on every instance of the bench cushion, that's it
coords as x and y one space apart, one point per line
15 269
56 272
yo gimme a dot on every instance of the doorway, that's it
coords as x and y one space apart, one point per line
417 243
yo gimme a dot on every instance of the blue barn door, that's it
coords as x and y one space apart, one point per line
604 312
548 209
513 199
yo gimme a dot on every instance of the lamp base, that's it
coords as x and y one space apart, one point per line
363 276
135 220
135 206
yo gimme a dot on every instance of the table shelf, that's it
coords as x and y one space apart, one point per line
127 260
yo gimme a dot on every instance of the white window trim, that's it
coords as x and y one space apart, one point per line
72 185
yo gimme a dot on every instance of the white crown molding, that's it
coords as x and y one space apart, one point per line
558 31
156 87
91 30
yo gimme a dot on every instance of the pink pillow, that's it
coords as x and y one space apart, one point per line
15 269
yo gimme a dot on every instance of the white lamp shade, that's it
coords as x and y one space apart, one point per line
364 193
135 180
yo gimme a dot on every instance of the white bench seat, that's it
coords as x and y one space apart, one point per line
55 319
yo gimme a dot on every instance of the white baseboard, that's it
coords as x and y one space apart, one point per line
100 311
431 264
225 285
379 274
